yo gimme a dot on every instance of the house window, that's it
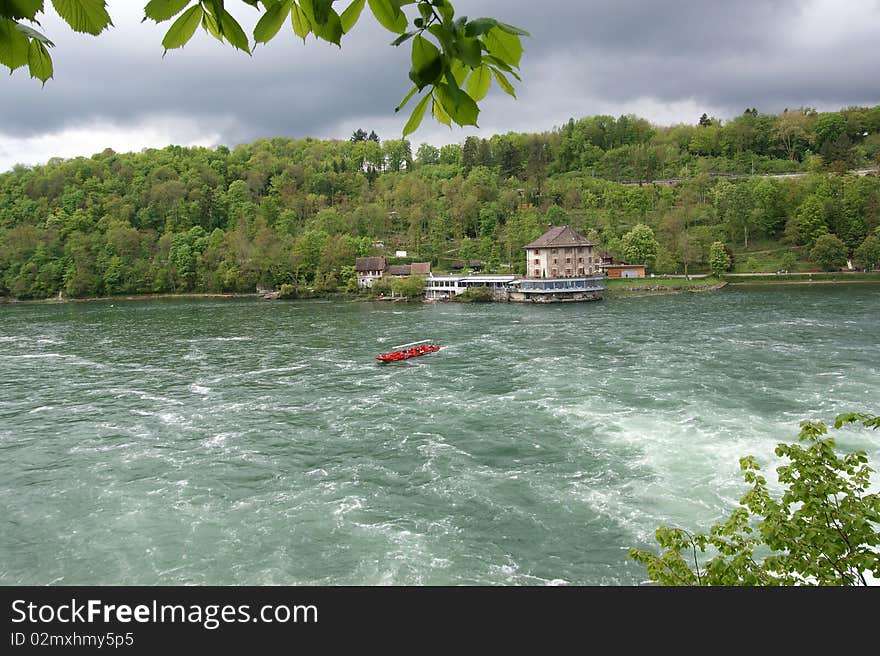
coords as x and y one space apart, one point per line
537 273
555 272
580 260
553 251
568 260
554 260
581 270
537 261
568 272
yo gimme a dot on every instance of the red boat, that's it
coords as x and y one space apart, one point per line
411 350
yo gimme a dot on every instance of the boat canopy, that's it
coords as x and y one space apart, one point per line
421 341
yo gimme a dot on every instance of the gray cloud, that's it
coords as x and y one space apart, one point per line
666 60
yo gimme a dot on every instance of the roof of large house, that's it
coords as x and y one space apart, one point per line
399 270
421 268
560 237
369 264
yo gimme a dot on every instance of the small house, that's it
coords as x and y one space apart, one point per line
369 269
625 270
414 269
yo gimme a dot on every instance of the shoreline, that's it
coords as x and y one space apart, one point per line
609 293
803 282
660 290
129 297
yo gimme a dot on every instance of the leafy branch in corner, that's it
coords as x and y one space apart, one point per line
454 60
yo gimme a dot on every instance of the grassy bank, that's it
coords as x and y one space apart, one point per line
629 287
802 279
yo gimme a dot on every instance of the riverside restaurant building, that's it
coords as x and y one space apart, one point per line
567 256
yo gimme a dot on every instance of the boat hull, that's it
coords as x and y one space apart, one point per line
398 356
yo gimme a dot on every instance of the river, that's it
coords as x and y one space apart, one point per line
258 442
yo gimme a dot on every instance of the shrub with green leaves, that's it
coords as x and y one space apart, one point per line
824 529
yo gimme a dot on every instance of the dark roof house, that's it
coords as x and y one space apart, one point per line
560 237
399 270
369 264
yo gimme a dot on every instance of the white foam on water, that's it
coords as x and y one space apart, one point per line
218 339
198 389
121 393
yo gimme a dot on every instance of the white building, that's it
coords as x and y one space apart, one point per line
561 253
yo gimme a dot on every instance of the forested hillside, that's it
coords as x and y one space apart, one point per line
299 211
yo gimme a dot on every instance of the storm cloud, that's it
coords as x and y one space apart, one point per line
666 61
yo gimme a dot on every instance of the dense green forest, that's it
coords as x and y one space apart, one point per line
298 211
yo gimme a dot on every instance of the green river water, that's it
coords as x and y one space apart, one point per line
256 442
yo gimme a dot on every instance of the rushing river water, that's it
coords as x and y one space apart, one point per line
255 442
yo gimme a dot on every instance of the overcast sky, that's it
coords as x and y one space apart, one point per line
666 61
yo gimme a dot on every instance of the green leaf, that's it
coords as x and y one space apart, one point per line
319 10
33 34
17 9
269 24
403 38
406 98
389 15
469 51
461 107
459 71
14 45
503 82
233 32
427 62
211 26
512 29
89 16
162 10
445 8
444 35
478 82
39 61
351 14
503 45
325 22
301 25
439 113
479 26
183 28
500 64
415 118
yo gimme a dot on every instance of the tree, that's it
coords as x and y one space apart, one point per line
719 259
397 154
821 531
454 76
427 154
793 131
829 252
809 221
413 287
639 245
868 254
